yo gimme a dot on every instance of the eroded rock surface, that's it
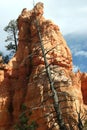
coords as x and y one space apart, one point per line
84 87
24 79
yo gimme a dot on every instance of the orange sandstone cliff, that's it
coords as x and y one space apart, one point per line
24 81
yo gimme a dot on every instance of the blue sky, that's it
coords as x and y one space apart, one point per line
69 15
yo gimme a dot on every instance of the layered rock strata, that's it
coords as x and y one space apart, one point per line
24 79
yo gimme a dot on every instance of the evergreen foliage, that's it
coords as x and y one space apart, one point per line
5 58
24 122
12 31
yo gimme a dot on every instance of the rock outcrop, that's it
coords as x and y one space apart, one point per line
24 80
84 87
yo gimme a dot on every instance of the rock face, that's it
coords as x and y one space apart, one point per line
24 80
84 87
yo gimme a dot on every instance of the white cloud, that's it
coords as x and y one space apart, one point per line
83 10
76 68
81 53
69 15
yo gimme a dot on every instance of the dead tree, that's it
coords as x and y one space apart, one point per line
48 72
59 115
56 103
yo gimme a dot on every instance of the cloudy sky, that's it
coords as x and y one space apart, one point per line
69 15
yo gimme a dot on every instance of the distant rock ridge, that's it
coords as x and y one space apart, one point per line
24 81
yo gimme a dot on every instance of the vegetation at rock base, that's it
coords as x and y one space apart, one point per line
24 122
4 59
85 125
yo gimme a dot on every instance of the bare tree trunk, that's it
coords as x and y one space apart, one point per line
54 92
15 40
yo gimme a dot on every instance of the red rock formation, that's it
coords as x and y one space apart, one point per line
24 79
84 87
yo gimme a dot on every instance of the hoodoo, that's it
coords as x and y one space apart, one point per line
40 76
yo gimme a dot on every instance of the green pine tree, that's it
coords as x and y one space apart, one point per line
24 122
12 37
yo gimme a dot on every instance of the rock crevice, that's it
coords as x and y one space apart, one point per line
24 81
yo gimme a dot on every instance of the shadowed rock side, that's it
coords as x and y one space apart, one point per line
84 87
24 81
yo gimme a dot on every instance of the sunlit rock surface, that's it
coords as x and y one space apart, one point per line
24 81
